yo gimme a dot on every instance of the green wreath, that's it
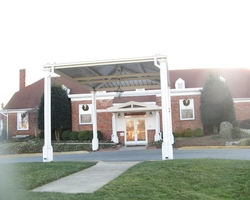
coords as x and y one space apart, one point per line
186 102
85 107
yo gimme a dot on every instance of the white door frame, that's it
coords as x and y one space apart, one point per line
135 142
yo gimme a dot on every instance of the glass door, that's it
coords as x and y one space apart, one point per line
135 131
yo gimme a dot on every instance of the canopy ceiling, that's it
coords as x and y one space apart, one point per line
108 75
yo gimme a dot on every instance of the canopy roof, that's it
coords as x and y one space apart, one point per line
108 75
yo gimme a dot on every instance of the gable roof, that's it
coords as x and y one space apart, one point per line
30 96
237 79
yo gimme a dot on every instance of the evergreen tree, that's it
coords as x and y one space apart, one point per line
216 103
60 111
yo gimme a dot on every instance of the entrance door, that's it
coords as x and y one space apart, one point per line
135 131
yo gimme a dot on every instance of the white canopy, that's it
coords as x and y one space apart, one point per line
127 74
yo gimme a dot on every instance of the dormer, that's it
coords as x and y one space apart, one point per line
180 84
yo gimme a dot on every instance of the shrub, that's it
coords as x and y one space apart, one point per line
157 144
73 135
178 134
41 134
65 134
246 121
99 134
236 133
4 135
84 135
188 133
244 142
198 132
245 134
245 124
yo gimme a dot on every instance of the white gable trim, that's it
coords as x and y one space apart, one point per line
134 108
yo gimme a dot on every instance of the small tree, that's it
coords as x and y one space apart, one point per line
60 111
216 103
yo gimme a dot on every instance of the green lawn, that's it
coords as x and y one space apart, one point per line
173 179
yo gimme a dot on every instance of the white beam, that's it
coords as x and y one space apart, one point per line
108 77
157 127
95 144
106 62
47 148
114 136
167 148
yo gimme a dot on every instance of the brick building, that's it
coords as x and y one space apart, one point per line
137 110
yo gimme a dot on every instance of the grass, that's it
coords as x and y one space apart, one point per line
17 179
173 179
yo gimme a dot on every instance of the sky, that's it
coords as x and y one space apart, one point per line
192 33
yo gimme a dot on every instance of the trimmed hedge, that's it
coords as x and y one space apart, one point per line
99 134
73 135
88 135
198 132
84 135
188 133
65 134
177 134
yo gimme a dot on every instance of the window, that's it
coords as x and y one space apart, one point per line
180 84
22 121
85 114
186 109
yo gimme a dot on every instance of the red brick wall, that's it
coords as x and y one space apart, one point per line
22 79
33 130
75 117
242 110
121 138
151 135
104 120
177 123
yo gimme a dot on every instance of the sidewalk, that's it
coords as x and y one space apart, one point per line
88 180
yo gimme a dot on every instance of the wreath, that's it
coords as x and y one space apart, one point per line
85 107
23 115
186 102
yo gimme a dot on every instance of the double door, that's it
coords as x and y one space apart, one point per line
135 131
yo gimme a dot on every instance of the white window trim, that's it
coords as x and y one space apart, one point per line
181 106
19 128
82 112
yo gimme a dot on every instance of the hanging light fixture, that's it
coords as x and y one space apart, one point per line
119 91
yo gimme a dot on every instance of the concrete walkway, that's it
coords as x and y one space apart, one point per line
88 180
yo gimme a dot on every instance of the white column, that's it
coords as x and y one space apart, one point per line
157 126
114 138
95 144
167 148
47 148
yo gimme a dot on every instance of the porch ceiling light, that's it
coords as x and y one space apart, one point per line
119 92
